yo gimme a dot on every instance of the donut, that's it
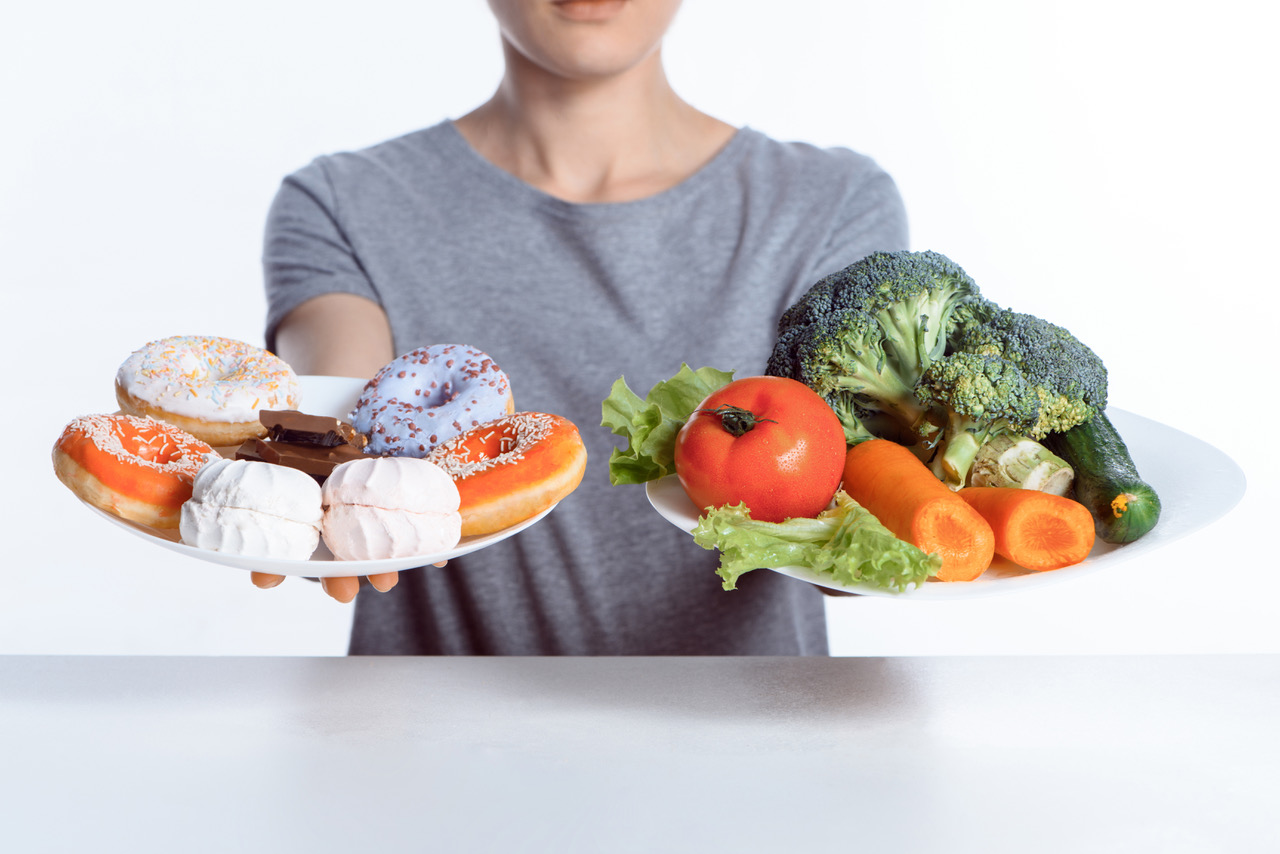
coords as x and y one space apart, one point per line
136 468
210 387
428 396
512 468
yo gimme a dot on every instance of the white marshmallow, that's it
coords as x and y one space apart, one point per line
253 508
235 530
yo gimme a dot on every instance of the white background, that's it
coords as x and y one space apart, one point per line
1107 165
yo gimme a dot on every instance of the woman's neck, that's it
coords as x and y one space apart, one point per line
605 140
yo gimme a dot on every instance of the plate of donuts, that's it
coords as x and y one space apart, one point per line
330 397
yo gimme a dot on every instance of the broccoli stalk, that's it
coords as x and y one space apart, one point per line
1016 461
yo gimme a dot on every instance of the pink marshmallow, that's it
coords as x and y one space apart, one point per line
390 507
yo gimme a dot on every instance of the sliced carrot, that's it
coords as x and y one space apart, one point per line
1035 530
898 489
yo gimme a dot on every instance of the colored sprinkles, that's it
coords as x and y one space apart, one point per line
207 377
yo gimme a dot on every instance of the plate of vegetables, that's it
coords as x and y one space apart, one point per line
978 452
1198 483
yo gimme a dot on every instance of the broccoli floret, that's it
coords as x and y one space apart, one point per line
1069 378
981 389
903 346
1014 376
863 337
983 397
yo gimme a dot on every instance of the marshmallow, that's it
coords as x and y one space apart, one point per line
390 507
252 508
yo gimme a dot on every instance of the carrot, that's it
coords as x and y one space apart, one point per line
1035 530
898 489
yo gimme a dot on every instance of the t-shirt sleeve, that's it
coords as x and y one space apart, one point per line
871 217
306 252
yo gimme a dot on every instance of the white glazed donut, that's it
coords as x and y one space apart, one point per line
210 387
428 396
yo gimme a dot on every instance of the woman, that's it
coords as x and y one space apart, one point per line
583 224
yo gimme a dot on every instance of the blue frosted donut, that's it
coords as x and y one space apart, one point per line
428 396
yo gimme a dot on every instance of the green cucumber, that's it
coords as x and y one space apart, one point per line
1124 506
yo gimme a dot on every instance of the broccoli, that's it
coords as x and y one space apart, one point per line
1069 378
903 346
863 337
1017 378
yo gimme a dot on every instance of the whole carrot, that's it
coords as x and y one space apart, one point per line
1035 530
908 499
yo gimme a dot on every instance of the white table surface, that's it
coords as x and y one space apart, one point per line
1043 754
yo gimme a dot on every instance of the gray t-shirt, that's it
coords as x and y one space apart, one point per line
566 298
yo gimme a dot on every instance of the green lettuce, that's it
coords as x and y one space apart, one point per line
650 425
846 542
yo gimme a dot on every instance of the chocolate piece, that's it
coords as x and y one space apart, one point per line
315 460
299 428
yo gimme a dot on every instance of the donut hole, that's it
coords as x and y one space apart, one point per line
491 444
438 394
506 441
235 373
203 368
152 447
192 366
197 368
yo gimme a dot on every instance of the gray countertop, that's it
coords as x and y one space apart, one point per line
1045 754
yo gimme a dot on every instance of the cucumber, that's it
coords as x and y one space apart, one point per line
1124 506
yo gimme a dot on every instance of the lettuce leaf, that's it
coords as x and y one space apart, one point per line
846 542
650 425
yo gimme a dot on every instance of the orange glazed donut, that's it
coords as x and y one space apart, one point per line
139 469
211 387
511 469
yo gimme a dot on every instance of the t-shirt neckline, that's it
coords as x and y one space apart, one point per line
508 183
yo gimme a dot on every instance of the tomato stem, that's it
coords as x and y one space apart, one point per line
735 419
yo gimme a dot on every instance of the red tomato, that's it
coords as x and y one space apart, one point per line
771 443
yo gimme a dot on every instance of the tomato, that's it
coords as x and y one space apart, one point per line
771 443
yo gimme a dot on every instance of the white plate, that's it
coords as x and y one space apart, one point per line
334 396
1196 482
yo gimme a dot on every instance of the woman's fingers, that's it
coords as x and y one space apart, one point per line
384 581
265 580
343 589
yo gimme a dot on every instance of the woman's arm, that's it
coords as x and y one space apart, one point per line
336 335
339 335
